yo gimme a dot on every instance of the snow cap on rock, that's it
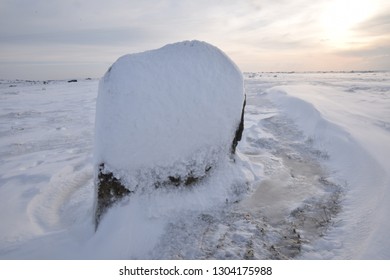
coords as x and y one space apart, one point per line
180 104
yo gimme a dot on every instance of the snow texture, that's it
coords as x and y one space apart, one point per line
172 111
310 180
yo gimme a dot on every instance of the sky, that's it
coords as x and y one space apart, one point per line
58 39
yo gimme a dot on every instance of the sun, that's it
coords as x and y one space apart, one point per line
341 16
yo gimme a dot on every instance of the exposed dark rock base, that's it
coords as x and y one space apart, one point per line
239 130
109 191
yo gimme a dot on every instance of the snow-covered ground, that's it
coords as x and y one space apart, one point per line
311 178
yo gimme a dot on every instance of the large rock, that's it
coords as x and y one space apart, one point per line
165 117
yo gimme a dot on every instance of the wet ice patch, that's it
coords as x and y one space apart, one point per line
290 203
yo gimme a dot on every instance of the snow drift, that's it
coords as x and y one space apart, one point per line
310 140
164 117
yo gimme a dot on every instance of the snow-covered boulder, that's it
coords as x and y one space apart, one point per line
165 117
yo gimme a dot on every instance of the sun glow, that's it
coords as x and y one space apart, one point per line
339 19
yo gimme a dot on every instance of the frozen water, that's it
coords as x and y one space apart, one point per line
310 181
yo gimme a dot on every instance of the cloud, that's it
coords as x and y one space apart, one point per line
377 25
154 19
250 31
79 37
372 46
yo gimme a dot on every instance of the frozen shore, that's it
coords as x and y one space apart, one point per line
311 178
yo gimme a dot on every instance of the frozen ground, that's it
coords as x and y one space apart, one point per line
311 179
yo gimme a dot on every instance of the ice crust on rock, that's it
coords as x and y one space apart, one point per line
168 114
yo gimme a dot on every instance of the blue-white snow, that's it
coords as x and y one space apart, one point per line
311 178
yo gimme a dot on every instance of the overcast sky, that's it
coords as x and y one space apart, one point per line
58 39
